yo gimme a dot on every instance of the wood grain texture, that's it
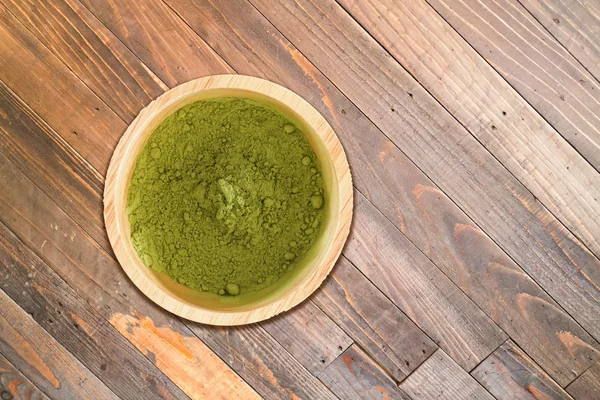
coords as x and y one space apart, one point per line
394 184
327 340
447 153
354 375
587 386
492 111
250 350
98 279
574 24
440 378
535 64
95 55
83 95
508 373
169 48
14 385
46 85
419 288
50 162
45 362
84 333
373 321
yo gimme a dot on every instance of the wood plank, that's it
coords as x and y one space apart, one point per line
303 340
575 24
101 61
535 64
353 375
14 385
51 164
587 386
98 278
508 373
43 82
495 113
84 333
373 321
169 48
419 288
223 20
446 152
45 362
252 352
440 378
327 342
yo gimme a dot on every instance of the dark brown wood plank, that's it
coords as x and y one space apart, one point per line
445 151
169 48
441 378
419 288
327 340
535 64
574 23
51 163
81 331
373 321
101 61
223 19
14 385
43 82
353 375
509 374
587 386
530 148
304 345
98 279
45 362
250 351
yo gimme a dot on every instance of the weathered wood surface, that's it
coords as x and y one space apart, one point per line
84 333
100 60
327 340
574 23
354 375
446 152
491 110
536 65
14 385
49 88
508 373
373 321
441 378
422 243
90 36
586 386
169 47
45 362
438 307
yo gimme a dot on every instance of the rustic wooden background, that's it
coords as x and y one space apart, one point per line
472 129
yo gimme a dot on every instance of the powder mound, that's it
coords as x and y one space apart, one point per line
225 197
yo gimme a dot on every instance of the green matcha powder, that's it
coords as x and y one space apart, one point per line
226 196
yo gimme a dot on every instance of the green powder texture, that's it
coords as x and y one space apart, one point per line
225 197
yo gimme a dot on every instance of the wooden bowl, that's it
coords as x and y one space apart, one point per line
296 285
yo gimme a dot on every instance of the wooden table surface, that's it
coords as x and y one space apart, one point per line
472 129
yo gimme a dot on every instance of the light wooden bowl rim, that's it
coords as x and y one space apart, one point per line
117 180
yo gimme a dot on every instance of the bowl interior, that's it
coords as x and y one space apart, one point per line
296 277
